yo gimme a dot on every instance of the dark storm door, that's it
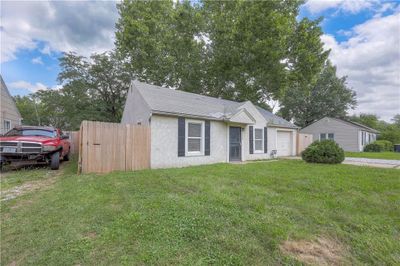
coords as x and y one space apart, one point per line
235 144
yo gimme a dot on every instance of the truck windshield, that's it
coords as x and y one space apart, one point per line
31 132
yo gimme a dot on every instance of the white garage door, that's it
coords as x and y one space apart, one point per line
284 145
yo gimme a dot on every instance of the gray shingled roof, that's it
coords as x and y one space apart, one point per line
169 101
274 119
359 125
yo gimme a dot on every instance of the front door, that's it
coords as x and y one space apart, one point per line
235 144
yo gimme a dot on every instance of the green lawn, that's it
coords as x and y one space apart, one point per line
216 214
375 155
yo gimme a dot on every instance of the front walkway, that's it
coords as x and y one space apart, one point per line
381 163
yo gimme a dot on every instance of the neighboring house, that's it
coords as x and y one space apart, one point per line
9 114
349 135
191 129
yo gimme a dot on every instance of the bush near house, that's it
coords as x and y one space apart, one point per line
379 146
326 151
372 147
385 145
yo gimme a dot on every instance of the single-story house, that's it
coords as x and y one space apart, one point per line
192 129
349 135
9 114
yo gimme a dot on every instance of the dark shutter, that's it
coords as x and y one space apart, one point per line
181 136
207 138
251 139
265 140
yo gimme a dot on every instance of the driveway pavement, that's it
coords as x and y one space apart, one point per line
373 162
364 162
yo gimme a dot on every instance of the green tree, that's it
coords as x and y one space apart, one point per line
162 41
369 120
396 120
96 86
391 132
387 131
237 50
328 97
30 111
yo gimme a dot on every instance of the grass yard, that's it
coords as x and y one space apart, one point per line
264 213
375 155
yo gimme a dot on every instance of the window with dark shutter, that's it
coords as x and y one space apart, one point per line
181 136
265 140
207 138
251 150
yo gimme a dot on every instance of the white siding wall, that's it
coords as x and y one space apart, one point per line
8 110
164 144
136 110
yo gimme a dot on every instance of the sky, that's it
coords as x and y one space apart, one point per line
363 35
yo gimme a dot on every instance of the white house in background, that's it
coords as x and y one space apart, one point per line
191 129
349 135
9 114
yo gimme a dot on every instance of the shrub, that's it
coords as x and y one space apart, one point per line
385 145
373 147
326 151
378 146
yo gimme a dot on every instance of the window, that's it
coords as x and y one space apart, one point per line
363 138
6 125
32 132
324 136
258 140
194 137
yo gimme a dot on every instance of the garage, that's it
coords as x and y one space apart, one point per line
284 143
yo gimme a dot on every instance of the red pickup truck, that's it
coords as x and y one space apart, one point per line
34 144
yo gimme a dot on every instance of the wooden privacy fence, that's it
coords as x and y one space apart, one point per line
73 140
106 147
303 141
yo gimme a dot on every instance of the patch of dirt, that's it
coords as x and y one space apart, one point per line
322 251
27 187
90 235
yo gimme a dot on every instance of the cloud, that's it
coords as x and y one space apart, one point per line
371 60
352 6
27 85
37 61
81 26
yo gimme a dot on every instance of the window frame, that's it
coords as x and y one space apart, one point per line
254 140
202 137
4 125
326 136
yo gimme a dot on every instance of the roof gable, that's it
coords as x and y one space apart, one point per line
326 119
173 102
242 116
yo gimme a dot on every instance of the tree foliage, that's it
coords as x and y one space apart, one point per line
329 96
91 89
387 131
238 50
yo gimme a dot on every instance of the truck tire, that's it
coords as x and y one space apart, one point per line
55 161
66 157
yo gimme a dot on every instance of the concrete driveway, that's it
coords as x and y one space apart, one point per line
381 163
373 162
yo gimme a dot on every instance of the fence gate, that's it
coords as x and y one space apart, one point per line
303 141
106 147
